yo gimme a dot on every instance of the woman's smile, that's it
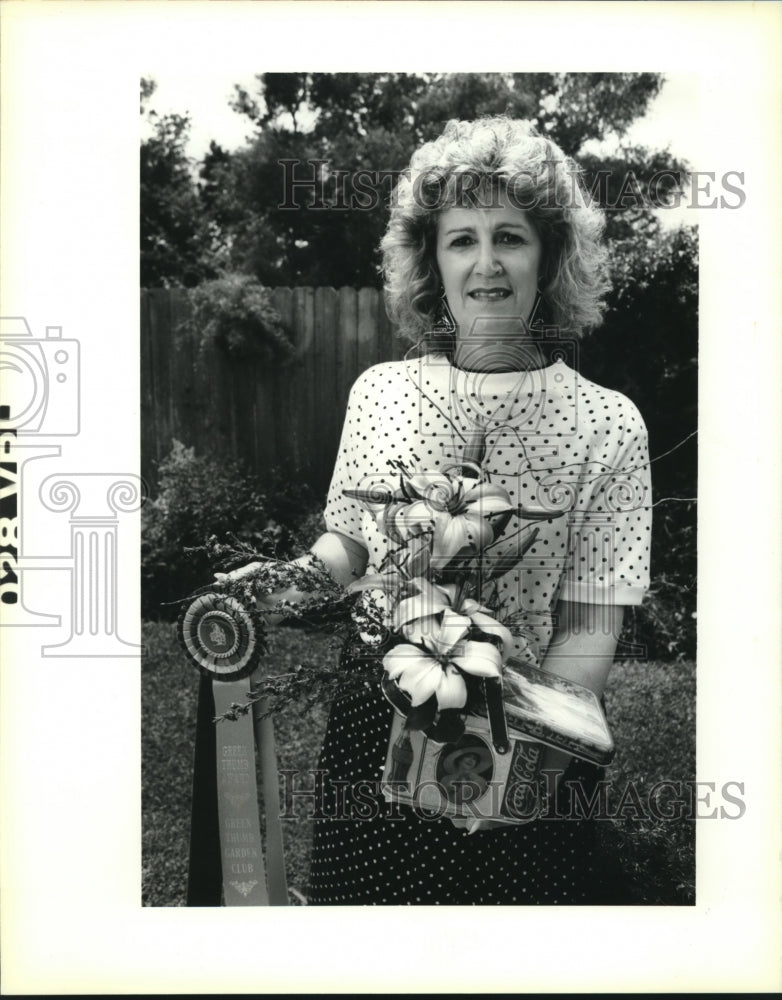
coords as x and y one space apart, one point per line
489 294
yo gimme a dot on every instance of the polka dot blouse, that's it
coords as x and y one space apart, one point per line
553 439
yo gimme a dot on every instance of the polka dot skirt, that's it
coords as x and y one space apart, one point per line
368 851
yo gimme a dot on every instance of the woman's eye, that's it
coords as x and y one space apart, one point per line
511 239
461 241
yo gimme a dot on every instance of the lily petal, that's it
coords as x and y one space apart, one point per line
387 523
470 606
416 673
480 500
449 590
415 516
419 550
405 658
452 691
495 629
450 535
449 631
421 605
373 581
423 683
439 593
479 658
419 630
480 531
433 487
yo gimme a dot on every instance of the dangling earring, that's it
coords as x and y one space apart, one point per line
536 321
444 323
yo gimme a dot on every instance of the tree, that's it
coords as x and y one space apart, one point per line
372 122
648 349
175 231
322 129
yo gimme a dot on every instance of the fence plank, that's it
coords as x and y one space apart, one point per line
149 431
285 413
328 418
160 354
347 354
367 328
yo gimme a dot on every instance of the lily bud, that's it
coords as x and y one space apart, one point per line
475 445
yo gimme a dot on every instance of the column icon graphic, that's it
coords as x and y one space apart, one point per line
94 501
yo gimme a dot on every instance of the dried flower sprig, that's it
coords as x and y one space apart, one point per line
306 686
321 603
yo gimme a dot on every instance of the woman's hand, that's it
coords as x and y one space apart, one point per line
236 574
266 602
344 559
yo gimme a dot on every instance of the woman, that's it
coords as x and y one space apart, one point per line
463 779
493 268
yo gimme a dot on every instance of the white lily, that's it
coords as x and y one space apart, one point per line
421 675
428 618
439 652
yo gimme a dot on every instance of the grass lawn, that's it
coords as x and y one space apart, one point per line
651 710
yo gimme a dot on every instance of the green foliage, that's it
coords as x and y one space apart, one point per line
197 497
366 121
200 498
235 314
176 245
369 121
292 502
648 349
651 709
374 121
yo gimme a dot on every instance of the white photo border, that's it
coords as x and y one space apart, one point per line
71 845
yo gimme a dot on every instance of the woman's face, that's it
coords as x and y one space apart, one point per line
468 762
489 260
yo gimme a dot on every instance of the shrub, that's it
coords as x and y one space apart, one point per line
648 349
235 314
199 498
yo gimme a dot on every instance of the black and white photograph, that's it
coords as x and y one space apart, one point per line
373 420
434 336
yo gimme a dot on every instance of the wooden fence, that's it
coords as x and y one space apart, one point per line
287 414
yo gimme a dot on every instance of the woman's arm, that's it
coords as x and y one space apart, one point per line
344 558
582 650
584 642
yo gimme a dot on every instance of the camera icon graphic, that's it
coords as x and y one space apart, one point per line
40 380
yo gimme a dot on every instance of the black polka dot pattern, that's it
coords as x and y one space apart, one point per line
388 854
553 440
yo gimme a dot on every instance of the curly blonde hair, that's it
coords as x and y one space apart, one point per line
469 162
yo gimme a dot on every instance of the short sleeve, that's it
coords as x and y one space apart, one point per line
610 527
343 514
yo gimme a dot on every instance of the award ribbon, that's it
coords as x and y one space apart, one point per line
241 851
221 637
